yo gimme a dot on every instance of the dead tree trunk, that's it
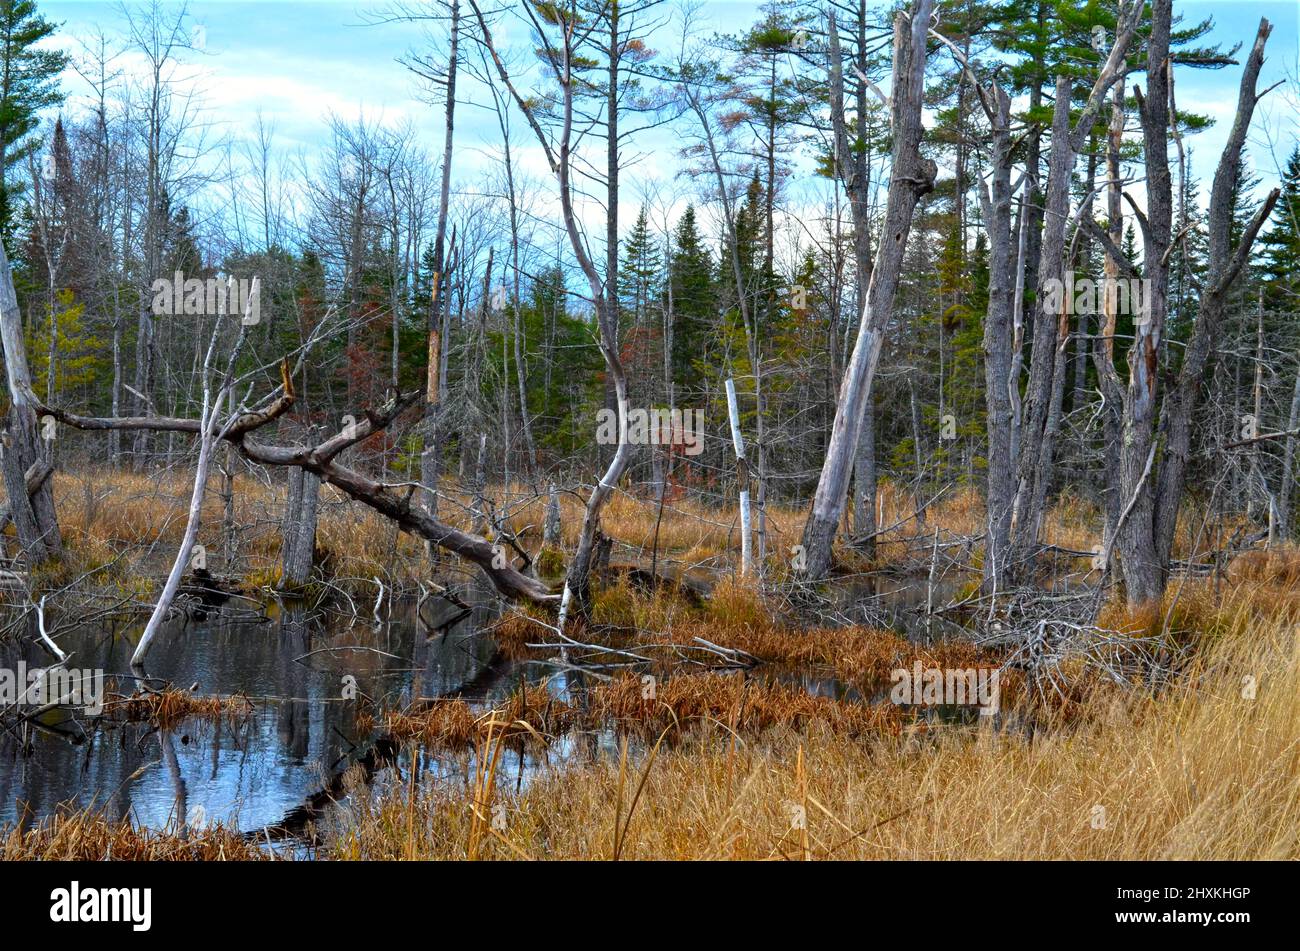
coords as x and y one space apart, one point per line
551 527
298 533
321 460
32 513
430 457
573 30
913 176
1284 489
1051 330
999 341
742 480
1146 531
211 430
851 166
1225 263
1103 350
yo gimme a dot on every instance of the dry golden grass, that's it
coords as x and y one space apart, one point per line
736 617
134 520
1209 768
87 836
1259 588
743 705
166 708
1203 771
455 724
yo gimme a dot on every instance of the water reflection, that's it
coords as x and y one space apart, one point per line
261 770
252 771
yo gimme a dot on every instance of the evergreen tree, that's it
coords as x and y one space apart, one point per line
640 274
565 393
28 84
1280 254
694 299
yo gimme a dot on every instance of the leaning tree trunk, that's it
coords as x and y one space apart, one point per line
33 514
559 156
320 460
913 176
854 170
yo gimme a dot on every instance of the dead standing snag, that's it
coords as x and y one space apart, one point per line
913 177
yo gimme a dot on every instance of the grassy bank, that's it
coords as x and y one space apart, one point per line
1208 768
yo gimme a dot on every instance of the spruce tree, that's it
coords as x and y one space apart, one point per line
694 300
640 274
28 83
1280 255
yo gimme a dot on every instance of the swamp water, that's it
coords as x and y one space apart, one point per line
252 771
247 771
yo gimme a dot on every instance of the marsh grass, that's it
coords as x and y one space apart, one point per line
1199 771
122 527
167 708
720 765
86 835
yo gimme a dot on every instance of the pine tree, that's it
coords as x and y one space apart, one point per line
694 300
28 84
640 274
1280 254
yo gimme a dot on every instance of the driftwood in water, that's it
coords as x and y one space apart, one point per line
300 822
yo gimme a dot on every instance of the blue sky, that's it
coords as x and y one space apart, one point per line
298 60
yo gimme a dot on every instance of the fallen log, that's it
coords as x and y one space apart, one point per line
321 460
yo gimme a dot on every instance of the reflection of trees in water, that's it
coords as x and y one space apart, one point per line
293 724
134 770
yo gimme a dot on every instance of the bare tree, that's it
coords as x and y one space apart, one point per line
912 177
22 457
1153 493
559 155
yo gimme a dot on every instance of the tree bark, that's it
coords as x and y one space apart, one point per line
430 457
298 535
33 514
913 176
